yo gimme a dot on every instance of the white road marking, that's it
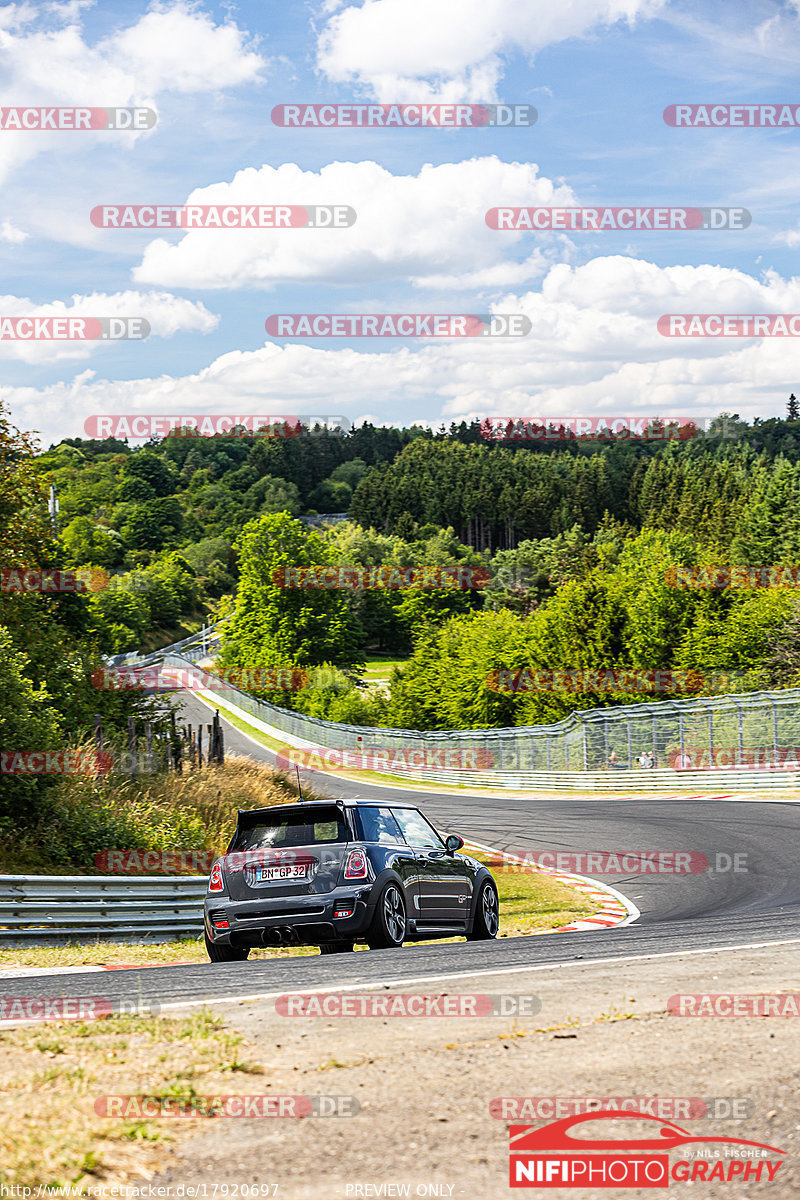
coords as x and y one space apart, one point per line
478 973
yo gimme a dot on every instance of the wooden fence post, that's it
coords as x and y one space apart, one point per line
220 741
132 744
175 745
98 743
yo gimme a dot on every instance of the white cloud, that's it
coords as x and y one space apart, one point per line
10 233
789 237
417 50
14 16
166 314
171 48
176 48
594 349
428 228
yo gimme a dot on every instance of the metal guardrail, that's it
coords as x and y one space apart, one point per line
42 909
745 780
571 754
204 640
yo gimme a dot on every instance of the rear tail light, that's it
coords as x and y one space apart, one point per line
222 924
343 911
215 883
356 865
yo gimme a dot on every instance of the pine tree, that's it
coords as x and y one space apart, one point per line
793 408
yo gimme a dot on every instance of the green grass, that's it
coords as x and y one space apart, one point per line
381 668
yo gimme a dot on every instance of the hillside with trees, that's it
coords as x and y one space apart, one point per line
576 537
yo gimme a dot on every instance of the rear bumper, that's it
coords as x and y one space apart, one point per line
290 920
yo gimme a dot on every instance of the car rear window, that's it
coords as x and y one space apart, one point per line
293 828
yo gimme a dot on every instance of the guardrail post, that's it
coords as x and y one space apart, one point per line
741 731
585 747
774 725
630 742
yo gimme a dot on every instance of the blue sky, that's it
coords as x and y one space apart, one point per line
599 72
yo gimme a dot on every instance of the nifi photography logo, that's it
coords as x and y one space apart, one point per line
560 1155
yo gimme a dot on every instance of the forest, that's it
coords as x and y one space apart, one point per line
576 549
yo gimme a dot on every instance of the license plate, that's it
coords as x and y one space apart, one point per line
295 871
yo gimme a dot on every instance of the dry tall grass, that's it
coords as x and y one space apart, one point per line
194 810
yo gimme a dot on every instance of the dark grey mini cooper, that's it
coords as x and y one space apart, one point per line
333 873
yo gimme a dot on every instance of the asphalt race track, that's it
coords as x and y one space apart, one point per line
722 907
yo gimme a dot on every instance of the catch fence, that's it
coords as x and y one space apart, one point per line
746 740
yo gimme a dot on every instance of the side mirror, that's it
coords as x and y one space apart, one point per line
453 842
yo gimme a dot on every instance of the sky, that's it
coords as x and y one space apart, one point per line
599 74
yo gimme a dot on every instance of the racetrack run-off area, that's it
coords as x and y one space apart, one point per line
425 1085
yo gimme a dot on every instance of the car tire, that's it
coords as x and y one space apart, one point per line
487 914
389 923
336 947
222 953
